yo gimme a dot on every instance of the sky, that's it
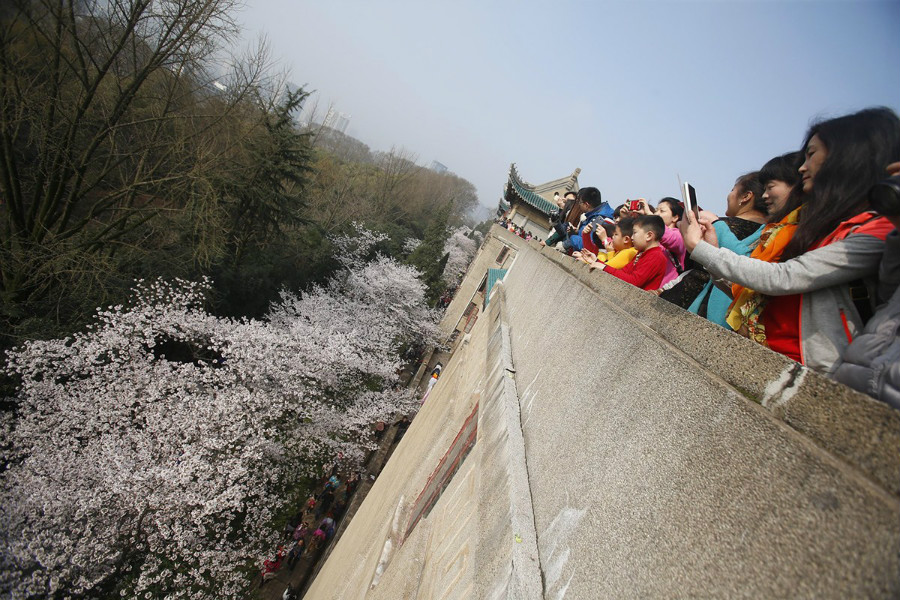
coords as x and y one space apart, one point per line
635 93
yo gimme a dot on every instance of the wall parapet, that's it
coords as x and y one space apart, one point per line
862 431
626 448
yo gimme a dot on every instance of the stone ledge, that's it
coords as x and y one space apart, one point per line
861 431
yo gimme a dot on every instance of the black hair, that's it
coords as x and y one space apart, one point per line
782 168
567 192
750 182
676 205
626 226
859 147
591 196
618 211
652 223
609 227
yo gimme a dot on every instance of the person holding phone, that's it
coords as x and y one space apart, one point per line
813 302
738 231
622 250
594 208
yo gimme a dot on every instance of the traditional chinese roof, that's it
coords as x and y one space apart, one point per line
494 275
539 196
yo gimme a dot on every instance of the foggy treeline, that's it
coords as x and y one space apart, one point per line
135 143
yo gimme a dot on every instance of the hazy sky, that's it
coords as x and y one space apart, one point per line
635 93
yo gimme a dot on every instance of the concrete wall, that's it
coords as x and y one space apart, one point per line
629 449
485 259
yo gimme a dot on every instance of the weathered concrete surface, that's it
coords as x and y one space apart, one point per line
665 457
506 561
440 550
856 428
653 476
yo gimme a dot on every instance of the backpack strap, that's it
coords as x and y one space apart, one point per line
859 293
672 260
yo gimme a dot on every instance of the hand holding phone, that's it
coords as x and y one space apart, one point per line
689 196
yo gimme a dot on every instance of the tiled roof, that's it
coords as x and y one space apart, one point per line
537 196
531 198
494 275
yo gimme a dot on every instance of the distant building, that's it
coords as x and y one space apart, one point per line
438 167
530 206
336 120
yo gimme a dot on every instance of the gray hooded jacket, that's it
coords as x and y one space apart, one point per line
871 364
828 317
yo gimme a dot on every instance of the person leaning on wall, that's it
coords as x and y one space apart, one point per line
817 294
871 363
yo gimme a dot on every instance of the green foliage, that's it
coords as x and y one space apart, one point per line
262 191
429 257
293 261
483 227
120 160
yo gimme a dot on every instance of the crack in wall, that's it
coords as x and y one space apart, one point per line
780 391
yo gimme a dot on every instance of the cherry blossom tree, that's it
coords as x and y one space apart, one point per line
410 244
148 454
461 248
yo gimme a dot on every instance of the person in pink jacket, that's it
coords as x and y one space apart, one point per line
670 211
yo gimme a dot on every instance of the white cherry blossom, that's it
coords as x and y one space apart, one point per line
149 454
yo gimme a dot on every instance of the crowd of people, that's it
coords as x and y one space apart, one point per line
312 525
516 230
805 260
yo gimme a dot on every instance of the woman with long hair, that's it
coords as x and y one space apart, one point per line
818 294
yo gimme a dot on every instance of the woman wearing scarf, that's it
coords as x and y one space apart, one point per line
833 253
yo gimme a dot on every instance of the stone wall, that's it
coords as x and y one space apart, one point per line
491 249
627 448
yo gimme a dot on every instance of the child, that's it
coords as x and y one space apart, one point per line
649 266
597 242
622 249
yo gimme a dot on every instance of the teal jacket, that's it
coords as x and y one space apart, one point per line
715 300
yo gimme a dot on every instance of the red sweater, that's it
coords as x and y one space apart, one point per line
646 271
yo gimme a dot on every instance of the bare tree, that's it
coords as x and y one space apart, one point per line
103 106
396 168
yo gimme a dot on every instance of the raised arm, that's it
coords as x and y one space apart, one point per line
856 256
